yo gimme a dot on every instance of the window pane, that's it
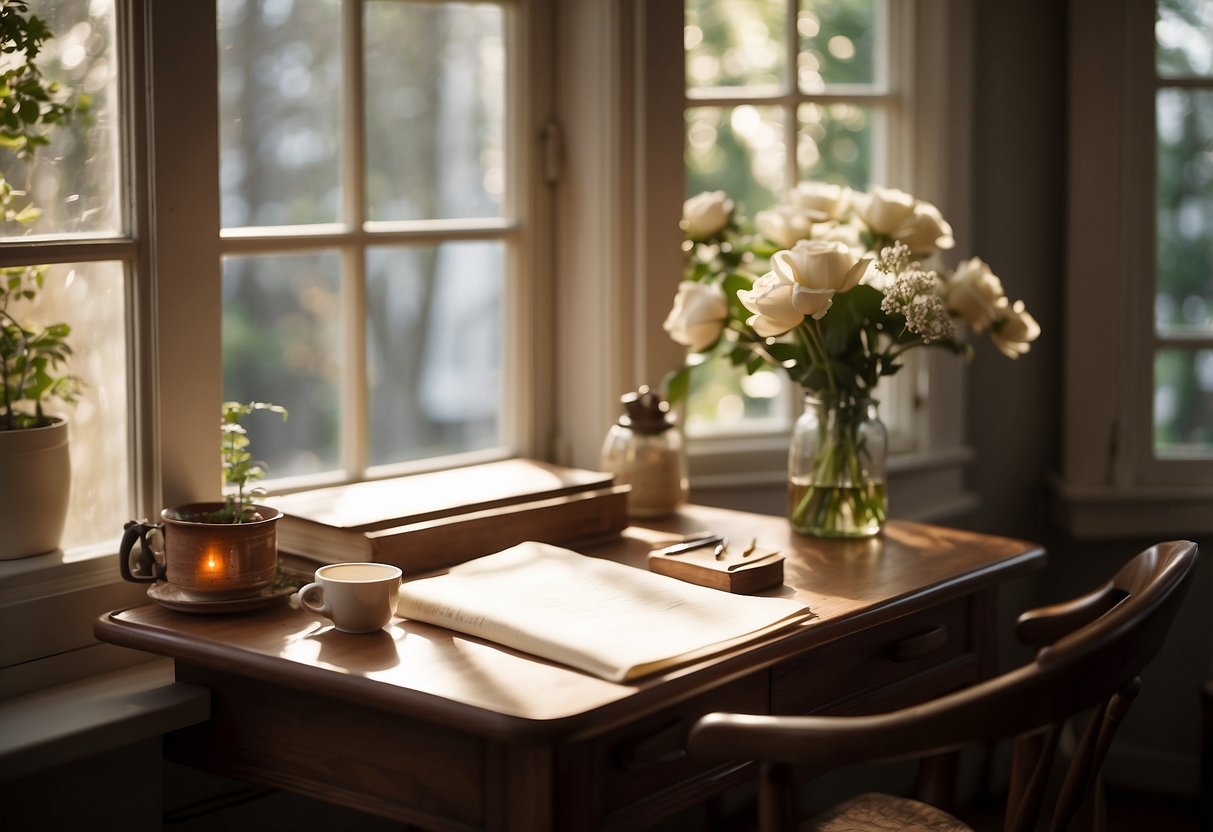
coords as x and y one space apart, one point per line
280 112
74 179
724 400
1183 403
1184 299
90 298
435 93
434 346
1181 32
735 43
739 150
837 43
282 344
835 143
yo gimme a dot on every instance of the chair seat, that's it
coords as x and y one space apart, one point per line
875 812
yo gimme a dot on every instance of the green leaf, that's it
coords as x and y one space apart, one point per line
676 385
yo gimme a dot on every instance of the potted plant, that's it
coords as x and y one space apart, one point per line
215 549
35 468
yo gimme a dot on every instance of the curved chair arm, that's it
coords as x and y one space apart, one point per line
1043 626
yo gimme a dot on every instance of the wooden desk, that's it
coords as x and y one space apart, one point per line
446 732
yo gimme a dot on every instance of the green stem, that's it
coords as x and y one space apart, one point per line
814 345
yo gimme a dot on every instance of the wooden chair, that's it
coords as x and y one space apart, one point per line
1091 652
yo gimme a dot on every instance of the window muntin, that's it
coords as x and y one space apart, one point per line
409 248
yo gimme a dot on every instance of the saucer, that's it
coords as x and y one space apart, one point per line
167 595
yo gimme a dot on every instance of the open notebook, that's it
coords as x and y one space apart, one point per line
602 617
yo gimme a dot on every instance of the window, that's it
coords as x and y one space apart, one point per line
282 186
778 92
369 247
83 244
619 242
1139 406
1183 238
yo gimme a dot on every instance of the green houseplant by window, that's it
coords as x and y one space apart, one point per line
215 550
35 469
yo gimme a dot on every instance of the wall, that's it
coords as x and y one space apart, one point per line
1014 407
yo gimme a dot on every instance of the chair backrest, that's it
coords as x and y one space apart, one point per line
1091 652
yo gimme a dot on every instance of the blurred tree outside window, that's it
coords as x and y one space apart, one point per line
366 243
1183 300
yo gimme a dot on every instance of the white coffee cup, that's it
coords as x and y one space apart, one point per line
356 597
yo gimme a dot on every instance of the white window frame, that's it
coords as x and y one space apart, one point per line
1110 483
621 96
173 250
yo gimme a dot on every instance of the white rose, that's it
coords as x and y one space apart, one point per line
885 210
1014 331
818 266
705 215
838 232
926 230
785 225
770 300
821 198
698 316
975 294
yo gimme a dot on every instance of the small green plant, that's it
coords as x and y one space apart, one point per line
32 358
239 468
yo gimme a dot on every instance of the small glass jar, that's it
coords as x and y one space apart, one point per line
646 451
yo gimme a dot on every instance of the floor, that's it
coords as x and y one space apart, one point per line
266 810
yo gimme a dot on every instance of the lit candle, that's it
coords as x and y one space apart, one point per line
213 565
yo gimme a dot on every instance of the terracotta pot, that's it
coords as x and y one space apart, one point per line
213 560
35 484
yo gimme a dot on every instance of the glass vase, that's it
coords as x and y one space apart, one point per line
836 468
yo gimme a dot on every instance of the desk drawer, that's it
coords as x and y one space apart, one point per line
644 758
857 673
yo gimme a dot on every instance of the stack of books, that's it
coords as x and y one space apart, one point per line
432 521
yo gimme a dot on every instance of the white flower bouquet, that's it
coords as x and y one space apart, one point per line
833 287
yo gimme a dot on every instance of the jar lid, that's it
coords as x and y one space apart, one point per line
645 412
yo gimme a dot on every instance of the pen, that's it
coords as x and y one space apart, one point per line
688 545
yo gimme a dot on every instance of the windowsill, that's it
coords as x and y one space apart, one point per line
1103 511
751 473
53 600
76 720
59 571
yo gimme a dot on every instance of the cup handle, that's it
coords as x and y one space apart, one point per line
304 599
149 568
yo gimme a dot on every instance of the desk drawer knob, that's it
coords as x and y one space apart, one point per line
665 745
919 645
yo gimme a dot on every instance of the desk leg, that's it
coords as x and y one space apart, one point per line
519 790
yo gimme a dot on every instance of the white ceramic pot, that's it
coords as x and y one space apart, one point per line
35 483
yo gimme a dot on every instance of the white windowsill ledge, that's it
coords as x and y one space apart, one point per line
1102 511
751 474
70 722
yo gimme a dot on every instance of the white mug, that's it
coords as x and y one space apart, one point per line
356 597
